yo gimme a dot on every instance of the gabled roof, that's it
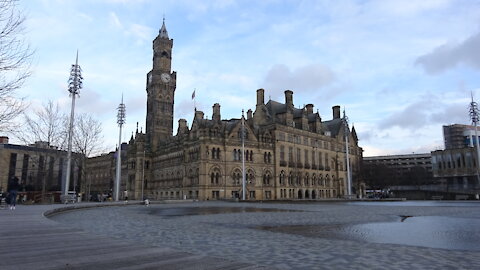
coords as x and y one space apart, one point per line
333 126
274 108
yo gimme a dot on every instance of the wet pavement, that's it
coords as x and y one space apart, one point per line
199 210
394 235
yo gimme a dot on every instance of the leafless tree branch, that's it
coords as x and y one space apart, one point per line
88 138
47 124
15 56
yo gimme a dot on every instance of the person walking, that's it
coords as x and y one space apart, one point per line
13 187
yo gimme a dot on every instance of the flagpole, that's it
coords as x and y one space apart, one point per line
193 97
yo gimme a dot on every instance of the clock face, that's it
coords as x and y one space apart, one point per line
165 77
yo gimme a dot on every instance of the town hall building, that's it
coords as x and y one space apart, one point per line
288 153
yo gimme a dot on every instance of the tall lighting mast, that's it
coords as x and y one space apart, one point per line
74 86
349 174
244 181
120 122
474 116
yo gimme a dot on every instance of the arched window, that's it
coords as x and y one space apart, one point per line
251 155
250 177
282 178
266 178
236 177
215 176
269 158
265 157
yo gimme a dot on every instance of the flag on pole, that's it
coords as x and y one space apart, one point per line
193 94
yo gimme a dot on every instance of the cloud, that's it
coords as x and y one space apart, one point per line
450 55
410 8
428 110
114 20
413 116
140 31
306 78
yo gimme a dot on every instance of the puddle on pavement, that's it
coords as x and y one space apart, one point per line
191 211
424 231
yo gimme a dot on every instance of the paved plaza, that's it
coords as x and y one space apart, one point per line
31 241
281 235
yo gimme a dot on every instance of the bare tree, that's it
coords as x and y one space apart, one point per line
15 56
47 124
87 138
88 141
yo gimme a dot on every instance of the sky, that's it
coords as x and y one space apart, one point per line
401 69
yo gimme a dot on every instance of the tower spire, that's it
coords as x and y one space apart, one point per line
163 31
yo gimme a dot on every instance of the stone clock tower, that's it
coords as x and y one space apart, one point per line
161 84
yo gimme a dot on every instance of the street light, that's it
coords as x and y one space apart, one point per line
244 186
74 86
474 116
120 121
143 173
349 176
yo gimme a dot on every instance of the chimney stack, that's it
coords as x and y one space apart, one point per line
216 112
182 126
4 139
289 98
309 108
249 114
336 112
260 96
198 115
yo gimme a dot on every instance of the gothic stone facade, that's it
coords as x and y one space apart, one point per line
289 153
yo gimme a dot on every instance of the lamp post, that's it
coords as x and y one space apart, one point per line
349 176
74 86
120 121
244 186
143 174
474 116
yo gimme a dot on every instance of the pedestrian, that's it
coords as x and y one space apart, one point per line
147 202
13 187
125 195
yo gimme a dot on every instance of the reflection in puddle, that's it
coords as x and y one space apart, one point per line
426 231
190 211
